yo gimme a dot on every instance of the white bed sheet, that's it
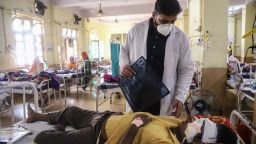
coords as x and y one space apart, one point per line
69 75
23 85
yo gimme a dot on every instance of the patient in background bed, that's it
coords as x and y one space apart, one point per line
233 64
84 60
104 62
36 67
106 127
72 64
85 68
84 56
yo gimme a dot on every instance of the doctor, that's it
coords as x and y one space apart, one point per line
166 49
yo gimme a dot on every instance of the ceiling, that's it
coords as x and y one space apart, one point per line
123 10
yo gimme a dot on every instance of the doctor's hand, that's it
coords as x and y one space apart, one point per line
128 71
175 108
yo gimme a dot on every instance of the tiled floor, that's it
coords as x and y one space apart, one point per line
86 100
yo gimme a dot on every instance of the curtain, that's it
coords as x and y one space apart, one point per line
115 49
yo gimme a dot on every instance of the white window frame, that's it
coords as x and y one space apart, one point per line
25 49
72 36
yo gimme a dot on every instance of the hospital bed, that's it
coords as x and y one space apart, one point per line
31 87
244 72
83 70
40 126
246 101
22 88
246 93
66 79
237 116
70 78
6 102
107 88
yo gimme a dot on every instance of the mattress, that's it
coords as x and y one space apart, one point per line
69 75
19 88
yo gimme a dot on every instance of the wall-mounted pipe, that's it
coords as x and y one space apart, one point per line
5 39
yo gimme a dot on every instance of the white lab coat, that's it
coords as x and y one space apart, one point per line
178 65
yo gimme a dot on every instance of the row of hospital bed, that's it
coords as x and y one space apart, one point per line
101 85
104 92
43 95
8 88
43 92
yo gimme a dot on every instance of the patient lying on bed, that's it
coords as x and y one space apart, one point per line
130 128
104 127
36 67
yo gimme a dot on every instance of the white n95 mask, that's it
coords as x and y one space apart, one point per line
164 29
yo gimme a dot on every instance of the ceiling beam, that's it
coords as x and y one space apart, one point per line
236 2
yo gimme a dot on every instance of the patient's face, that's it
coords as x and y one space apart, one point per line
85 56
71 59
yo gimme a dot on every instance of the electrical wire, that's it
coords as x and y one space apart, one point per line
246 54
253 26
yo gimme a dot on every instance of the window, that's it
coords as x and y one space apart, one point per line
119 38
96 49
28 35
70 42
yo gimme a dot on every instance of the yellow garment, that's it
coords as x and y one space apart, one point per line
157 131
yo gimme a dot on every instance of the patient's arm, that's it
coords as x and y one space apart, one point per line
138 121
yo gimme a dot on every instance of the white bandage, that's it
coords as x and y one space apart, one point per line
209 132
137 121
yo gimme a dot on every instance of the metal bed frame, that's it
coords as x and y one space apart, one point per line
78 78
8 109
240 114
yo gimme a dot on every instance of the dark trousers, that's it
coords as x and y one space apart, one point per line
87 124
154 109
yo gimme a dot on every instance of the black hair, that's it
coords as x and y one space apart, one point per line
168 7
